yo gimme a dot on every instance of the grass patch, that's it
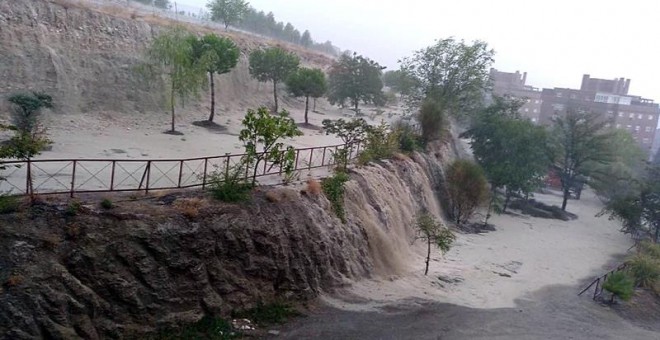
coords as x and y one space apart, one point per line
333 187
9 204
107 204
230 186
645 269
268 314
206 328
73 208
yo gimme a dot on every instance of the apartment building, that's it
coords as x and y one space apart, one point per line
514 84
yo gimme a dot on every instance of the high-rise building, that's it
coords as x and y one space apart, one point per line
514 84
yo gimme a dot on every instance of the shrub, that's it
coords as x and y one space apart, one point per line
73 208
206 328
313 187
651 249
620 285
268 314
9 204
467 188
333 187
380 143
409 139
645 269
432 120
107 204
230 185
189 207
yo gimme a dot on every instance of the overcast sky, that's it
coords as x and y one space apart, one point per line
554 41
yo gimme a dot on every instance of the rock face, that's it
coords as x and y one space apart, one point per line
144 266
86 56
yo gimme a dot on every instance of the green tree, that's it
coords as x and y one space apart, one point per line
467 188
512 151
262 135
451 72
434 233
164 4
229 12
306 39
172 53
432 120
399 81
357 79
273 64
306 82
26 109
350 132
579 141
218 55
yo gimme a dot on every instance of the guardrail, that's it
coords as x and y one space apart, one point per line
77 176
599 281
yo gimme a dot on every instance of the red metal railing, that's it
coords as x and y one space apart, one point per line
75 176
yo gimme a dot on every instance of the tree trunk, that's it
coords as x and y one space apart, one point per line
428 255
506 201
212 98
314 108
306 109
172 106
567 192
357 103
490 207
254 172
275 94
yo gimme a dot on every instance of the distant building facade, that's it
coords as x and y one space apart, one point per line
611 100
514 84
656 146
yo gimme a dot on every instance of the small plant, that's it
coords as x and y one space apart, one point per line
189 207
645 269
206 328
268 314
333 187
433 232
380 143
229 185
9 204
621 285
651 249
313 187
467 188
409 139
107 204
73 208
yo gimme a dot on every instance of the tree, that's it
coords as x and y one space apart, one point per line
357 79
467 189
172 53
218 55
306 39
451 72
306 82
164 4
230 12
432 120
580 140
512 151
273 64
26 108
433 232
262 135
399 81
350 132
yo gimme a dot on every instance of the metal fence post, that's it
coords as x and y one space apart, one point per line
311 155
180 173
28 179
323 158
73 178
112 176
206 166
147 171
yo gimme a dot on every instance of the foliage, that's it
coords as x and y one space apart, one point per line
268 314
620 285
273 64
399 81
350 132
306 39
579 139
172 53
645 269
409 139
650 249
261 137
307 82
357 79
229 184
380 143
107 204
229 12
512 151
450 72
73 208
9 204
333 188
432 120
217 55
206 328
433 232
467 189
164 4
26 110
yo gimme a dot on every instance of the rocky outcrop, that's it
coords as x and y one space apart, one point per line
146 265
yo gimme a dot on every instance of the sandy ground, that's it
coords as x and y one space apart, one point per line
495 269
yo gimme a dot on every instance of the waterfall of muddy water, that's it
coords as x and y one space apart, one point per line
383 199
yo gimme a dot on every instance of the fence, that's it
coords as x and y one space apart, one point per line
76 176
599 281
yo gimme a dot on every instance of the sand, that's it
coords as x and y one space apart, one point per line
495 269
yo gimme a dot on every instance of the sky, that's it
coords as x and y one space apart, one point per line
555 42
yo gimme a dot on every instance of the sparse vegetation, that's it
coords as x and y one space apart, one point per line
273 64
230 185
9 204
268 314
380 143
432 120
357 79
409 139
306 82
206 328
620 285
189 207
73 208
350 132
313 187
229 12
467 189
107 204
433 233
333 188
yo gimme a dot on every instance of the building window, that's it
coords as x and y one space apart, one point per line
536 101
637 128
640 116
535 110
646 140
620 114
650 117
572 96
648 129
533 120
526 110
632 115
559 94
629 127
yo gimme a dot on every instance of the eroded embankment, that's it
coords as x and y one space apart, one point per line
144 265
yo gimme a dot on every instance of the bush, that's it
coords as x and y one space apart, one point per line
645 269
467 188
380 143
206 328
107 204
409 139
189 207
267 314
620 285
432 120
73 208
9 204
651 249
231 185
333 187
